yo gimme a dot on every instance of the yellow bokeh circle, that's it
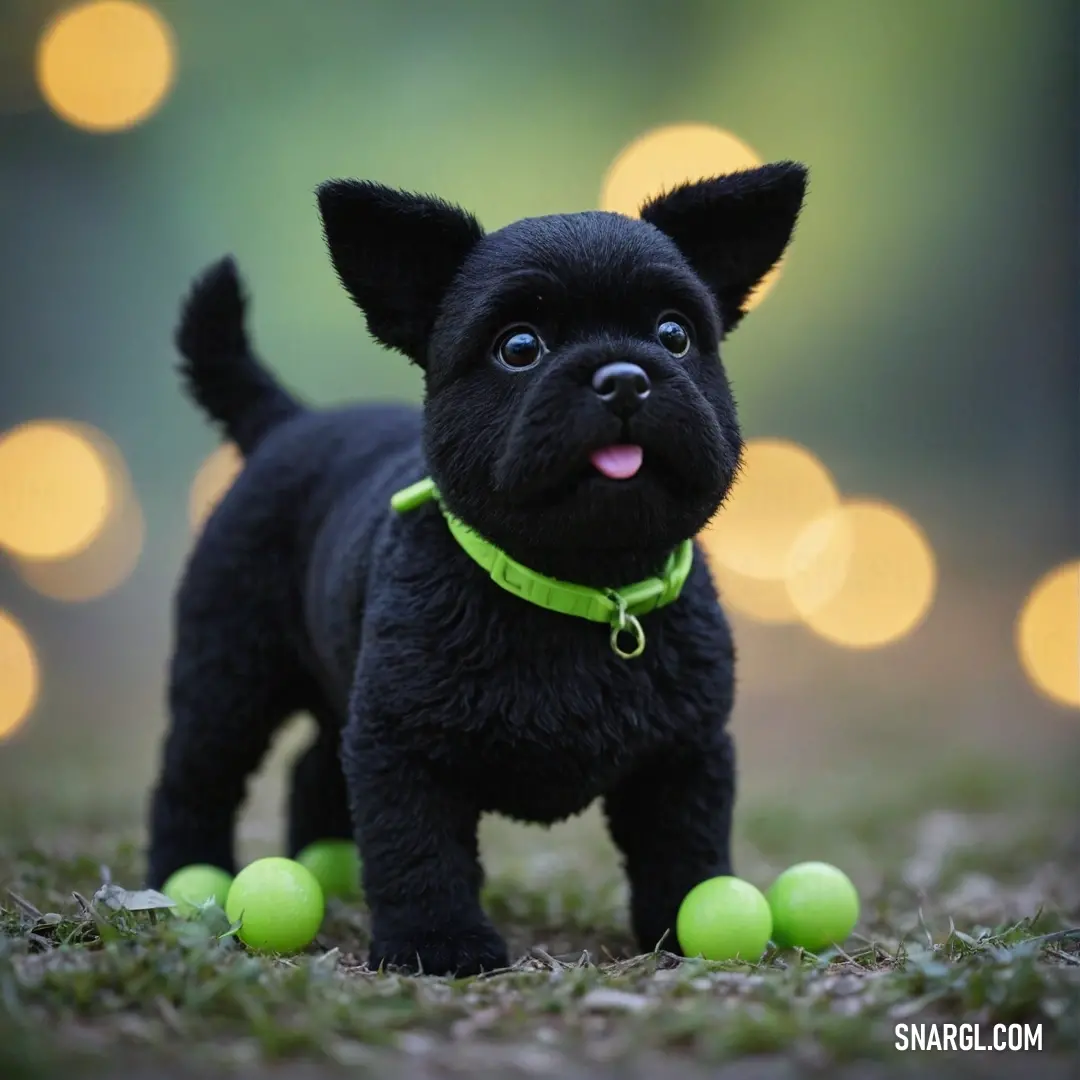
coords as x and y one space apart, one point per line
212 481
862 575
666 157
765 600
20 678
98 569
780 489
55 490
113 553
106 65
1048 635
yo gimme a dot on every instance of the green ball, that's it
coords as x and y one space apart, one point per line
336 866
724 918
814 905
278 904
192 886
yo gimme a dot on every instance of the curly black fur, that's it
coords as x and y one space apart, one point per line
438 695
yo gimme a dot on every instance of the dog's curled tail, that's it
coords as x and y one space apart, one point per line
220 370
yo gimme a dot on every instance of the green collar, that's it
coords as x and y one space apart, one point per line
618 608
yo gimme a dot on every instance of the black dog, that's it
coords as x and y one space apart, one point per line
578 419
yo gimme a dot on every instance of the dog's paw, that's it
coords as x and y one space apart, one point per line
461 952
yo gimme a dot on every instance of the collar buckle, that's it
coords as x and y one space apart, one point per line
625 623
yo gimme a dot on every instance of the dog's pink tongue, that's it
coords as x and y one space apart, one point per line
618 462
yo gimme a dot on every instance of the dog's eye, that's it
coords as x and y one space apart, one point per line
674 336
519 347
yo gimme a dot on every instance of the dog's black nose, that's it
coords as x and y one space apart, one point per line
622 386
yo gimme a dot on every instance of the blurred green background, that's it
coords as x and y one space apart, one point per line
922 340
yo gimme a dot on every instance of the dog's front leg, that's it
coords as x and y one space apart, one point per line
671 819
416 832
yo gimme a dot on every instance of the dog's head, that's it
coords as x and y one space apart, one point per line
577 412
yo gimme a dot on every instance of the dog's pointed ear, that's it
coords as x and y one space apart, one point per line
396 254
732 229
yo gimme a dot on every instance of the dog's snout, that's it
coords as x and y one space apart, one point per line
622 386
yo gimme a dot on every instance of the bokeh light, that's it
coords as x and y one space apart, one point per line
112 555
107 65
862 575
99 569
19 676
765 600
780 489
1048 635
55 490
214 478
666 157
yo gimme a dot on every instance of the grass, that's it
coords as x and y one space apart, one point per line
971 887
